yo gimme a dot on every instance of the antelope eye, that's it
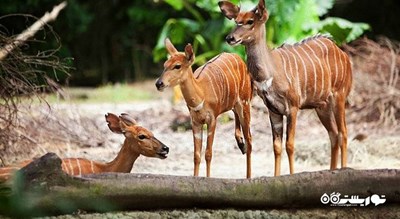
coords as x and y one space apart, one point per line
250 22
141 137
177 67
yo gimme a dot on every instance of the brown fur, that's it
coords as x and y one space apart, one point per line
138 141
314 73
222 84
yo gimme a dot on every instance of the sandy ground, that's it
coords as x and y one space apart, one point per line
381 148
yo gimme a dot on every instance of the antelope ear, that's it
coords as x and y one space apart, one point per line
124 128
170 47
189 53
113 123
127 119
229 9
261 11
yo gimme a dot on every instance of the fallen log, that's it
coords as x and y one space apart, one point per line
118 191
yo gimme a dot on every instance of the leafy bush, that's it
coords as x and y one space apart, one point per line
289 21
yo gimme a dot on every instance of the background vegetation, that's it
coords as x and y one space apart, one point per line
121 41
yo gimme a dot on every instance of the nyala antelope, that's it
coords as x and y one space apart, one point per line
220 85
138 141
312 74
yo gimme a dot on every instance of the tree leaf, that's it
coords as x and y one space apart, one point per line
176 4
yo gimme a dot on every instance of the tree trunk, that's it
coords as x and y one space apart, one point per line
112 191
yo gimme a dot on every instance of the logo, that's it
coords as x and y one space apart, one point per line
353 200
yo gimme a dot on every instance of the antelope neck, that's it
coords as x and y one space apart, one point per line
125 159
259 59
192 92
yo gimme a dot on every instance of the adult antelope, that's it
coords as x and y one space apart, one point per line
220 85
312 74
138 141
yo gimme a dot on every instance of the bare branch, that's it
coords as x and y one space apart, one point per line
32 30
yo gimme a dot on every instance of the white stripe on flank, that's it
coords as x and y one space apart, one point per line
230 73
297 73
342 74
322 72
243 74
305 74
79 166
227 91
211 84
221 81
341 65
284 67
317 41
70 166
212 80
236 73
219 86
336 67
64 166
289 64
315 70
92 166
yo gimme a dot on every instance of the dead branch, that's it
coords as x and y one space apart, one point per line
32 30
25 75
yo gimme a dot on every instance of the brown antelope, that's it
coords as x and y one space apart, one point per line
314 73
138 141
220 85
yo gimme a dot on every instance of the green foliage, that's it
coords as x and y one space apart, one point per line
293 20
205 30
78 16
114 41
289 21
342 30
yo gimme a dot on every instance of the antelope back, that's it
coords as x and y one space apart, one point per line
226 80
315 68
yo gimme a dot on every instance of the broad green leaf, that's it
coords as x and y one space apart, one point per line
343 31
176 4
178 30
323 6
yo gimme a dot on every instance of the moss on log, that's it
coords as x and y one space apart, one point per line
118 191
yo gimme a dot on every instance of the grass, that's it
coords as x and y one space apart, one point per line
119 93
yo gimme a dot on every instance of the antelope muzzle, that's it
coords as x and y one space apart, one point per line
160 85
163 152
231 40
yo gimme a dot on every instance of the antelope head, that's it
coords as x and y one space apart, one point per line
177 67
248 23
139 139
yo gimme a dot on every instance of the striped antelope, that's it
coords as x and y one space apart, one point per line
138 141
312 74
220 85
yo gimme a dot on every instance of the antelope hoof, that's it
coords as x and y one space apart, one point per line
242 147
